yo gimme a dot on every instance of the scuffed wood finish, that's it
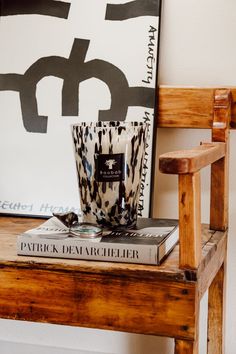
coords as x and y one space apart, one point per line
93 294
186 347
188 107
100 294
99 301
189 220
212 262
189 161
216 307
220 169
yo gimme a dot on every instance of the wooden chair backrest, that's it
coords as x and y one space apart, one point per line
189 107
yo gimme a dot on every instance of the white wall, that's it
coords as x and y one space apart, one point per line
197 48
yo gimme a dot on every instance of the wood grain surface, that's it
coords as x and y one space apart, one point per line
127 297
186 347
220 169
189 107
216 313
192 160
189 220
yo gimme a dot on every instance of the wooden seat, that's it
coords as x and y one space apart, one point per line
161 300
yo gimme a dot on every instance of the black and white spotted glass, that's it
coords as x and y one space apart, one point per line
109 160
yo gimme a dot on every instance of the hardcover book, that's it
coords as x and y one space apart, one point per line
148 243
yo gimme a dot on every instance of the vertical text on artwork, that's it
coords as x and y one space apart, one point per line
150 61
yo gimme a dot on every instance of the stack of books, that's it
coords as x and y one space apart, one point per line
148 243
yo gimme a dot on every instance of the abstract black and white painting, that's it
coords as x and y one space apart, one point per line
64 62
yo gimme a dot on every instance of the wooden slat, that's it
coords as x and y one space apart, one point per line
188 107
189 220
192 160
220 169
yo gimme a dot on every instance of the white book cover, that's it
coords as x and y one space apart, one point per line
64 62
148 243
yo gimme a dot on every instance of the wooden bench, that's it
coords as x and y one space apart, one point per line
160 300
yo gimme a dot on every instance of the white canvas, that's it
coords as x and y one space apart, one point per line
64 62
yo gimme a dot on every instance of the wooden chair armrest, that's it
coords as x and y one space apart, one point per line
190 161
187 164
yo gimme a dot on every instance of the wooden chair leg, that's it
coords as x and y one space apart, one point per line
186 347
216 304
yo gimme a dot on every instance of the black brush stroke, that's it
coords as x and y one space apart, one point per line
35 7
132 9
